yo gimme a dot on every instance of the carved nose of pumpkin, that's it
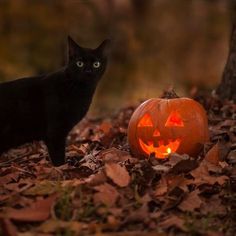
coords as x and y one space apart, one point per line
156 133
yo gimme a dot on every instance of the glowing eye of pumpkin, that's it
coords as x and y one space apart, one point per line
146 121
174 119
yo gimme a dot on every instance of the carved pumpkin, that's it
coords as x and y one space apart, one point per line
163 126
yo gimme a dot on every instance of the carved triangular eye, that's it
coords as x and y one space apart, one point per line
146 121
174 119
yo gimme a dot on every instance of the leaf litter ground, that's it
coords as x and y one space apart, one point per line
104 190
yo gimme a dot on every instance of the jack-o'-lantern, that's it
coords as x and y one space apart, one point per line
163 126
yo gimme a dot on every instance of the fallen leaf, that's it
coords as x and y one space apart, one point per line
201 174
37 212
174 158
118 174
232 157
44 187
161 168
8 178
227 123
72 183
179 181
114 155
213 155
138 215
112 223
184 166
161 188
53 226
19 187
171 221
107 195
191 202
105 126
74 151
96 179
213 205
7 228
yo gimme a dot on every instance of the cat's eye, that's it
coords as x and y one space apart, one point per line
80 64
96 64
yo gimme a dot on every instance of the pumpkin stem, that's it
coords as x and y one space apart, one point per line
169 94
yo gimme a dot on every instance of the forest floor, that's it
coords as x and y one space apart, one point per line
103 190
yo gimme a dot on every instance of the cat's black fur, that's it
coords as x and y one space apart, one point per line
47 107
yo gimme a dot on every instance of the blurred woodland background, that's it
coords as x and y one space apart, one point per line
156 43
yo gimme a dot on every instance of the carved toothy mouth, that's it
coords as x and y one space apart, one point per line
162 151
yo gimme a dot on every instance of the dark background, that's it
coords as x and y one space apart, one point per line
157 44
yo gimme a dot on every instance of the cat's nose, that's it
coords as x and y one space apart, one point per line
88 71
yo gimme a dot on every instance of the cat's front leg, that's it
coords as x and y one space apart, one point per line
56 148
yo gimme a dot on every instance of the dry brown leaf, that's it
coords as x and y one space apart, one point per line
105 127
37 212
114 155
9 177
184 166
22 201
177 181
72 183
223 164
170 182
161 168
117 212
191 202
107 195
161 188
227 123
7 227
53 226
212 167
112 223
213 205
44 187
73 150
96 179
212 180
202 176
138 215
202 170
172 221
4 197
22 185
118 174
213 155
174 158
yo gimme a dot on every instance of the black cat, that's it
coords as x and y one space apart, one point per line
47 107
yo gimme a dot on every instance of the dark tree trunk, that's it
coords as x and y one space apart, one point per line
227 87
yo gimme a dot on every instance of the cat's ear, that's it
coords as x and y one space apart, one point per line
104 48
72 48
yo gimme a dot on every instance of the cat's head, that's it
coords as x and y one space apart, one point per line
85 62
